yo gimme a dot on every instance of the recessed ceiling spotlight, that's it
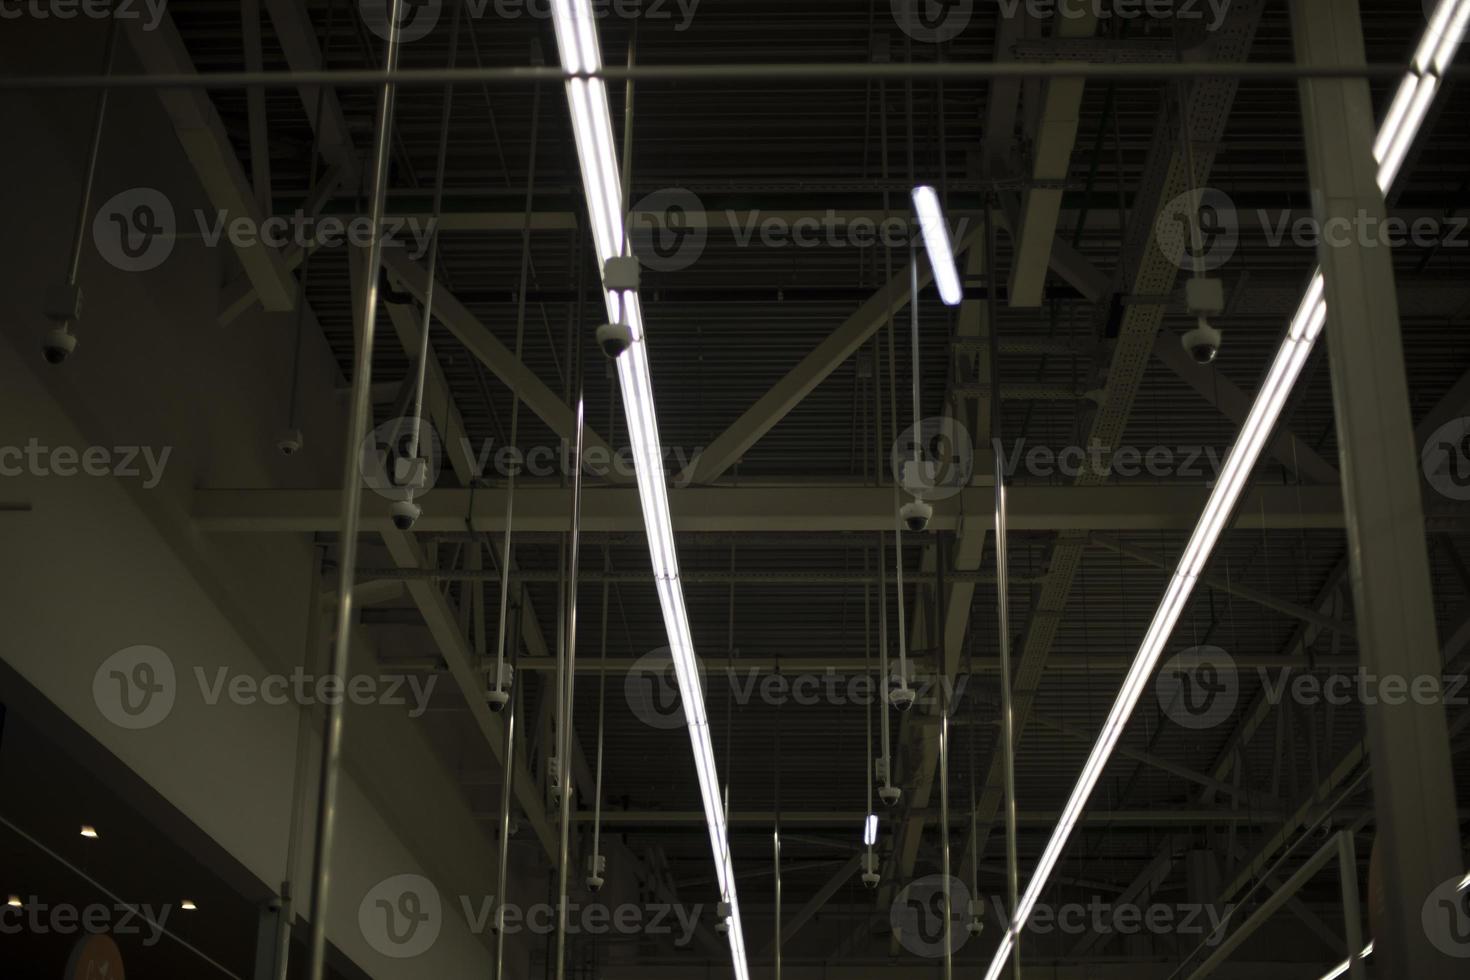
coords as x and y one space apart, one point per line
188 905
14 902
89 831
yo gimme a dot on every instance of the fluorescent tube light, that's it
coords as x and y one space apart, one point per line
870 830
1400 128
1446 29
1399 141
581 55
1342 968
936 242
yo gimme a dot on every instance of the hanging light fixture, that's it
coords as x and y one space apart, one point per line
581 55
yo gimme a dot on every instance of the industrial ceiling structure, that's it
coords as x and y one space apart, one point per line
887 489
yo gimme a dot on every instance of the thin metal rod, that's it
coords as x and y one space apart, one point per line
515 409
601 720
883 657
944 709
628 122
612 404
84 210
314 650
1003 601
564 751
948 71
326 821
1352 915
914 346
903 643
505 792
776 842
868 708
433 260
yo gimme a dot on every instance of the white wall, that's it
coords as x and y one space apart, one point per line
99 564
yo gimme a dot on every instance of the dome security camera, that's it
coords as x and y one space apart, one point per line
916 515
59 344
405 514
290 442
977 917
596 870
63 307
1202 343
499 695
890 795
902 698
614 339
871 877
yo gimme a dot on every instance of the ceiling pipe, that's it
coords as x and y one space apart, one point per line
362 379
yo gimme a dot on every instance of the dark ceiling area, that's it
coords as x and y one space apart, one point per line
785 531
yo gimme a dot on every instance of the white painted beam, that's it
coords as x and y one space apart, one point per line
1052 145
202 134
501 361
797 510
725 451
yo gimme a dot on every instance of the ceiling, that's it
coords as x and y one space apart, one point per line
726 327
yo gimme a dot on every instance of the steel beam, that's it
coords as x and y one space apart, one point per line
466 670
1413 785
1214 387
1054 138
725 451
817 902
1303 613
498 358
792 510
843 667
298 43
847 819
202 134
1266 909
1251 798
1146 272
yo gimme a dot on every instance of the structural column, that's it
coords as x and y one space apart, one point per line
1412 780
